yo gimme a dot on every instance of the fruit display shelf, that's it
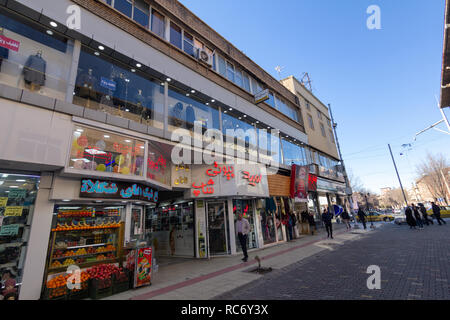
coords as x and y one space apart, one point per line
82 228
82 255
82 265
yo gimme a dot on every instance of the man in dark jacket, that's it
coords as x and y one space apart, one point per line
417 216
362 217
437 213
410 218
425 218
326 218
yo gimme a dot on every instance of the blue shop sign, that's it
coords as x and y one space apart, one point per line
108 84
92 188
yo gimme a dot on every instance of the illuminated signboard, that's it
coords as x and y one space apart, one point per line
91 188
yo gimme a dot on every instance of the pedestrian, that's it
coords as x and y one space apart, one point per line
289 224
346 218
409 218
362 217
425 218
312 222
242 229
294 223
326 218
417 216
437 213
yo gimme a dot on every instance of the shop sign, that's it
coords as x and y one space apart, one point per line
13 211
117 190
143 267
181 176
229 180
299 183
323 185
10 44
262 96
108 84
3 201
9 230
17 194
312 182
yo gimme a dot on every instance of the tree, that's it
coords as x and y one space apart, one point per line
393 198
355 183
430 172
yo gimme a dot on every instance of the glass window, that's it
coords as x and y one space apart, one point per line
293 153
124 6
311 121
254 85
247 138
329 122
158 162
246 82
184 111
238 78
222 66
230 71
285 109
189 44
32 59
271 101
322 128
319 114
198 45
141 13
109 86
307 105
101 151
17 198
245 207
158 23
331 136
175 35
269 146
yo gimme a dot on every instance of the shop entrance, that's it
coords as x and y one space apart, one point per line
217 228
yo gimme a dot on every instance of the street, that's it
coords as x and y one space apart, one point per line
414 264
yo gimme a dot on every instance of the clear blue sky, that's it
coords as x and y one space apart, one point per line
381 84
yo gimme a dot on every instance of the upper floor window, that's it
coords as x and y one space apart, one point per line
189 44
141 13
285 109
238 77
158 23
307 105
311 122
319 114
175 35
271 101
322 128
124 6
246 82
222 66
230 71
331 136
329 122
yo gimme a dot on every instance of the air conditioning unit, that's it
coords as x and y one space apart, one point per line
204 57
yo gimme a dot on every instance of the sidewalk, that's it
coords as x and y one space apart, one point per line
202 279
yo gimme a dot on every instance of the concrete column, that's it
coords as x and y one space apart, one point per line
73 71
36 255
232 236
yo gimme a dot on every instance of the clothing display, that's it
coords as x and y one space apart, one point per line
34 70
87 85
4 54
176 115
190 117
120 95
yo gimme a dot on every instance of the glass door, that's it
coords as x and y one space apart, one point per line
137 223
217 228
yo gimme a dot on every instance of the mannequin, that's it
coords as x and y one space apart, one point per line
176 115
4 52
190 118
120 95
34 71
87 86
139 101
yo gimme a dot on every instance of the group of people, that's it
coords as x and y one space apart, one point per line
418 216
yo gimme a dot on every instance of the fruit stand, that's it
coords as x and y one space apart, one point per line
87 238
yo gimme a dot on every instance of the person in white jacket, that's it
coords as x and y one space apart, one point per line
242 230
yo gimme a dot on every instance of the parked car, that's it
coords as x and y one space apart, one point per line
400 219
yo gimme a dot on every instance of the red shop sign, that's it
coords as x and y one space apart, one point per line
9 43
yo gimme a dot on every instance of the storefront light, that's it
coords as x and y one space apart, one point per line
168 79
53 24
138 65
101 48
65 200
97 53
13 187
192 91
20 180
213 100
50 32
187 94
133 70
80 130
128 141
106 136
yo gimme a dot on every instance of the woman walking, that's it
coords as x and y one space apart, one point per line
346 219
409 218
418 216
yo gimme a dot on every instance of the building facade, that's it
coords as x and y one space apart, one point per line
325 165
97 98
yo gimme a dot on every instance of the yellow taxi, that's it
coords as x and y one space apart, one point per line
371 217
445 212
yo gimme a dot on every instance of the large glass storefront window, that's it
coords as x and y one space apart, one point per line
269 146
294 154
244 141
267 217
33 58
172 229
101 151
245 207
158 162
184 111
17 198
106 85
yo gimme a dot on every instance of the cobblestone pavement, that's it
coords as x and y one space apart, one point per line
415 264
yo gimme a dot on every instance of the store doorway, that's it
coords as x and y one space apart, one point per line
217 228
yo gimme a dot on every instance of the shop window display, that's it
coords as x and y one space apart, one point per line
184 111
293 154
269 146
230 122
101 151
266 210
245 207
106 85
32 57
159 163
17 198
172 229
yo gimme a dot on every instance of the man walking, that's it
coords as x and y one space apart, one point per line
326 218
437 213
242 229
417 216
362 217
424 213
346 219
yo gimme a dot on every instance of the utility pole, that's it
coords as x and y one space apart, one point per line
347 182
398 176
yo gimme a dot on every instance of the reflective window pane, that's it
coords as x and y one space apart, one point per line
158 23
123 6
175 35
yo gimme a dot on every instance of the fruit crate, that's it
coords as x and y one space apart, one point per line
79 294
99 289
55 293
121 283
